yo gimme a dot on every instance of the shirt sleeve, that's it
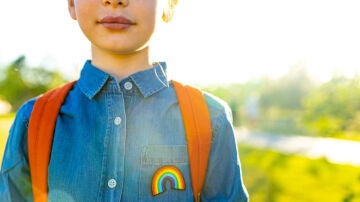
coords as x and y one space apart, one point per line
224 179
15 184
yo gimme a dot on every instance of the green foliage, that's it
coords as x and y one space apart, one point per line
19 82
270 105
295 104
288 91
281 102
273 177
334 107
236 95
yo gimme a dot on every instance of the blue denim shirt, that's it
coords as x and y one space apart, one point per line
110 139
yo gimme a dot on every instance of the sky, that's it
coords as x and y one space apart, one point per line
208 41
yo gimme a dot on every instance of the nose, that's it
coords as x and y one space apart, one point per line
115 3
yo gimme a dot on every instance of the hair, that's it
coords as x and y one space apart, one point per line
169 11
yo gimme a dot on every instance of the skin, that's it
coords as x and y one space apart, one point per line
118 52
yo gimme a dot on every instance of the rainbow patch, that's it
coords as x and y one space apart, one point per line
167 174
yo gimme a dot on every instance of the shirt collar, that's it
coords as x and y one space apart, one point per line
92 80
149 81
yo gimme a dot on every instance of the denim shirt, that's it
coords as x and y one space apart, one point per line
112 137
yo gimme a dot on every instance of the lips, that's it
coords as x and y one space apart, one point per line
116 22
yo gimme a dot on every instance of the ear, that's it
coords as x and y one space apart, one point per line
71 8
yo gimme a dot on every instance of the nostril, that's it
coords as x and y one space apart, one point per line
113 2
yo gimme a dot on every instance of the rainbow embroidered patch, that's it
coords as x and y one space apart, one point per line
167 174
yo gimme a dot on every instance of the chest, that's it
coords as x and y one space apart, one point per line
112 152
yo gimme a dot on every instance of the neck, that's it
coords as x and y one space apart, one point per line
121 65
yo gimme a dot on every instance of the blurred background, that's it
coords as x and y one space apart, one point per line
288 69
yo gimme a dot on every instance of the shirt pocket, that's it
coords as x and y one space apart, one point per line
173 162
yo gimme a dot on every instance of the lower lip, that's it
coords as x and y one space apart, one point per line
116 26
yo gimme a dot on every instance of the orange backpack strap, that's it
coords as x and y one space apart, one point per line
197 125
196 120
40 135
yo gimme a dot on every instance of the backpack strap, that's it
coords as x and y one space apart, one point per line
197 125
42 123
40 135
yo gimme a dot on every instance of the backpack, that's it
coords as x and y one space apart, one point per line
42 123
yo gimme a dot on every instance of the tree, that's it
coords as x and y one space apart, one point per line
280 101
20 82
288 91
334 107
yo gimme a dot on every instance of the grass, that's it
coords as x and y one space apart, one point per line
273 177
5 123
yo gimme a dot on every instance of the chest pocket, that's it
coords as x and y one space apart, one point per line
165 158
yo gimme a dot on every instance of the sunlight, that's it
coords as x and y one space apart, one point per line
206 43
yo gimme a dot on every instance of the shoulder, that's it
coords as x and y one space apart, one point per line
24 112
221 117
16 146
217 106
21 120
23 115
20 124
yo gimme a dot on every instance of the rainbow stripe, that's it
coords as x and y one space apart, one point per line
164 174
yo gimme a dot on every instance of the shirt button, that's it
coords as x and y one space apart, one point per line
117 121
112 183
128 85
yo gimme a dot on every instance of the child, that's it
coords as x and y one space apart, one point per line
121 122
